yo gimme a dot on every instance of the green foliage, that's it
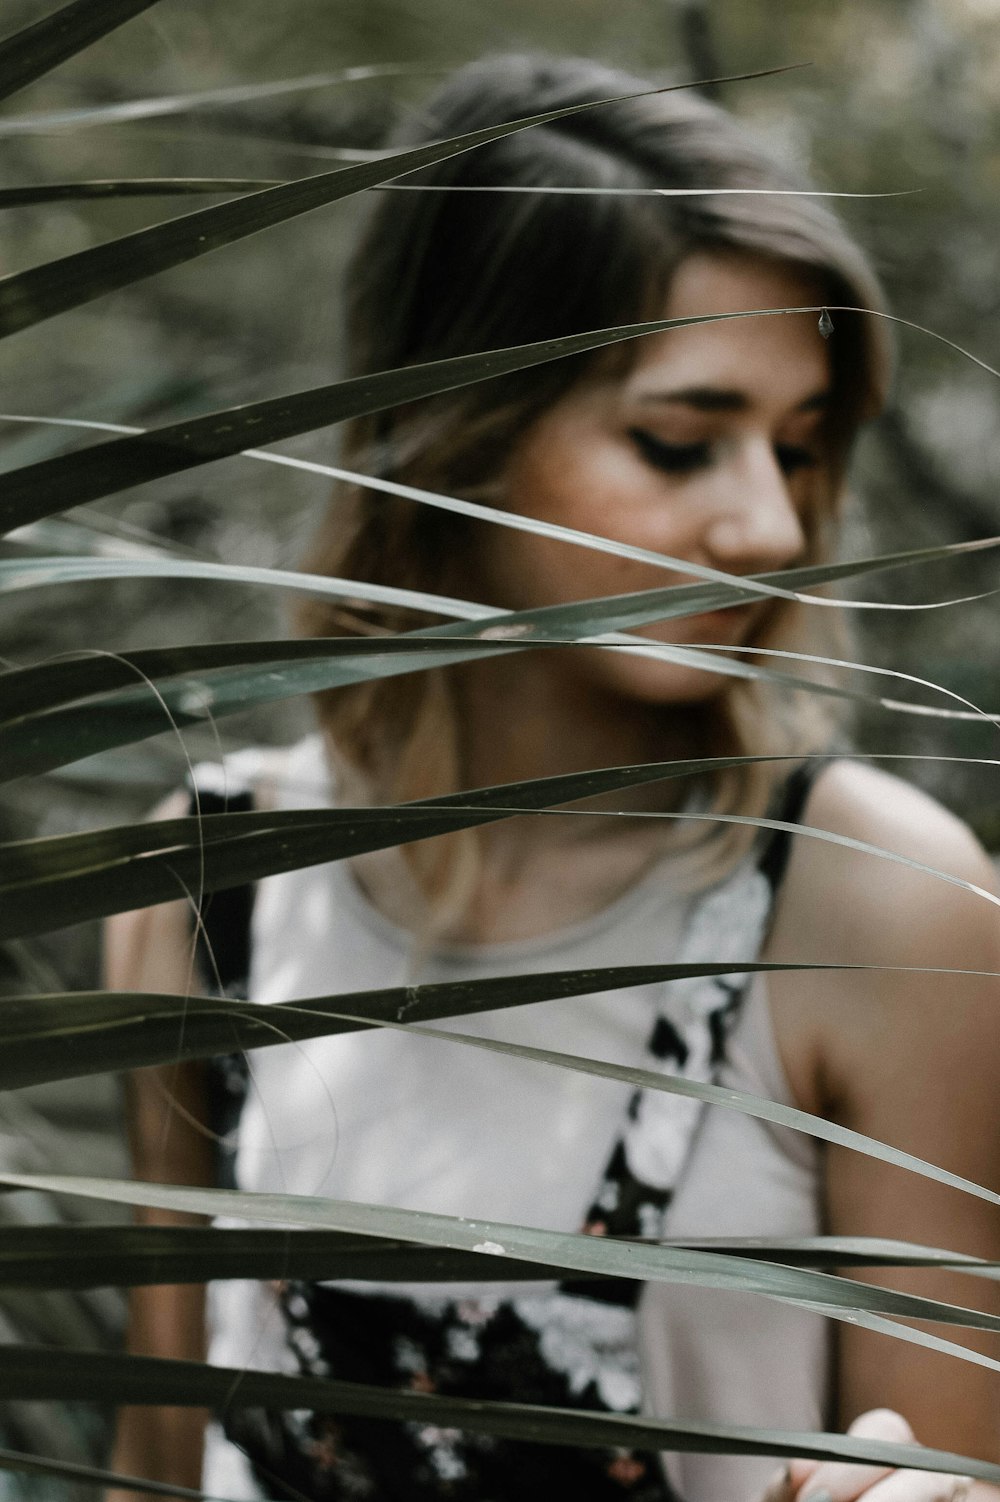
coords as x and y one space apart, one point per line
54 713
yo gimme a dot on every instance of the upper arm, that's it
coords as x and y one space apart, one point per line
912 1059
152 949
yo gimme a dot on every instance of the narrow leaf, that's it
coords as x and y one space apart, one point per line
51 883
29 297
129 187
37 49
59 1256
52 1374
48 1038
55 484
839 1298
67 1470
126 111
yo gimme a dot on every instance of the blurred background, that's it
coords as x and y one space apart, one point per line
896 95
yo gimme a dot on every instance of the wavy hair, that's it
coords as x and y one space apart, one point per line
439 274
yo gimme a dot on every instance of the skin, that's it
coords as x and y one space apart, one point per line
727 461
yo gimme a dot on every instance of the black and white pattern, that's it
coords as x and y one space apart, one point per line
572 1344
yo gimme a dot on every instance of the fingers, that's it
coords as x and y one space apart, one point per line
917 1486
781 1487
843 1481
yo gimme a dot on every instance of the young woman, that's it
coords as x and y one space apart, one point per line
721 444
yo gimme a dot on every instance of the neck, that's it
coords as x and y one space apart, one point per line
552 723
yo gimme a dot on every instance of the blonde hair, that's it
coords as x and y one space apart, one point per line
438 274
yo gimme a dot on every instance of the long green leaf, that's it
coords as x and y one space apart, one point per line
66 1470
61 1375
126 111
712 1095
755 584
29 297
51 883
55 484
42 741
34 51
34 745
861 1304
128 187
63 1256
44 1038
92 874
60 1036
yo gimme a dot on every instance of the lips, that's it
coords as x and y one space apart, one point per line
726 627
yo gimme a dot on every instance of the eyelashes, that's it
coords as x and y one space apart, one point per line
682 459
670 458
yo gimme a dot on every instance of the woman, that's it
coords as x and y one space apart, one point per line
722 444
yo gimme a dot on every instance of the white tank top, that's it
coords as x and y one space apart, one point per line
315 1123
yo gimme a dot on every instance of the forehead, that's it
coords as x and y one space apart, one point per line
781 358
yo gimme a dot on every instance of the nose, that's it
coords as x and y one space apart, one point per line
756 525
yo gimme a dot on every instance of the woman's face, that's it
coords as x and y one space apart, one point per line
710 448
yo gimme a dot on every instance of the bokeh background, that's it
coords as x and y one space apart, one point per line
895 95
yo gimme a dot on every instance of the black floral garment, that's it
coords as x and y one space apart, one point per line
570 1345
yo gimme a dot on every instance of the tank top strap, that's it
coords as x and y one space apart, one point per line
788 805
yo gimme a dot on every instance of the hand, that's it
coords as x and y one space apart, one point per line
844 1481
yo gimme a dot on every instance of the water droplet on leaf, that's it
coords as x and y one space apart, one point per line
825 323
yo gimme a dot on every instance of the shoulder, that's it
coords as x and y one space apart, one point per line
149 949
911 909
908 895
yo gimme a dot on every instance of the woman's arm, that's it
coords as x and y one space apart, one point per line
912 1059
151 950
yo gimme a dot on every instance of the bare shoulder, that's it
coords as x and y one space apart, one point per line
150 949
859 906
843 906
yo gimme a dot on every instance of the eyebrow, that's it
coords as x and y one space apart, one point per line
717 399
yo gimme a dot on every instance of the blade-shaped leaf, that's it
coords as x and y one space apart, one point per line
128 187
62 1256
48 1374
128 110
29 297
51 1037
55 484
50 883
52 485
47 1038
756 583
67 1470
34 745
88 875
858 1303
35 50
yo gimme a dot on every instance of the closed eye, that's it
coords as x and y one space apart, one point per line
792 458
687 458
671 458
